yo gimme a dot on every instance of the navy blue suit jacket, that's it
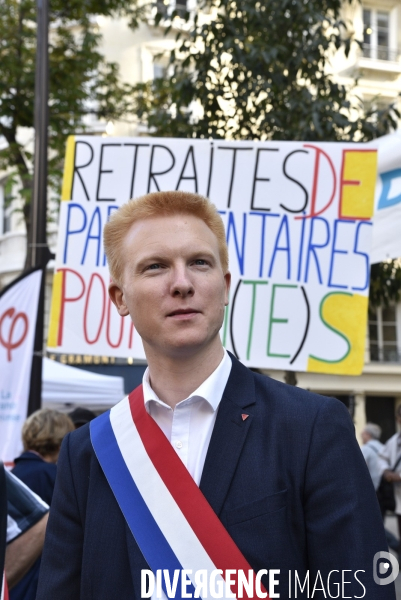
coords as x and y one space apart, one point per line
289 483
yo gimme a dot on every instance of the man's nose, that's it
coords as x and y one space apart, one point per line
181 284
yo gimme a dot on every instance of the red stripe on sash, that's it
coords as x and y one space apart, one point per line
4 593
205 523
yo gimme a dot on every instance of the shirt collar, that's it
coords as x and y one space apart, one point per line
29 455
210 390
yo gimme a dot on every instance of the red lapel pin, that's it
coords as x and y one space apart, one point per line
244 416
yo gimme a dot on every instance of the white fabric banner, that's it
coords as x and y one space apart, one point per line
298 227
18 314
386 238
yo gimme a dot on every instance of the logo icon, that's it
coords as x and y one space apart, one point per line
381 568
10 343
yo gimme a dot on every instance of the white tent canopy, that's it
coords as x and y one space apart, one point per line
77 387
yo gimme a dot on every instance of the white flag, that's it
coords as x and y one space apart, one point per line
18 314
386 242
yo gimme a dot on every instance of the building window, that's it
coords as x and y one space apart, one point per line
383 334
381 410
166 7
162 6
376 35
181 6
6 220
5 212
159 70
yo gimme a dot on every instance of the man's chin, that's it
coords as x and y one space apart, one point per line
180 347
184 348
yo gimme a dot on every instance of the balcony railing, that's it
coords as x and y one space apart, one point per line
387 354
380 52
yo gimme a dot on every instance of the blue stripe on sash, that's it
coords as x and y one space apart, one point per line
151 541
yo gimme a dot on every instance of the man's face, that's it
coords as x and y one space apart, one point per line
173 284
365 437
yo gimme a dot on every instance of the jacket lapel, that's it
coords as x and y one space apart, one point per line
229 434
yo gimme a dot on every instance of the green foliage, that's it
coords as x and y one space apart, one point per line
385 283
81 81
261 71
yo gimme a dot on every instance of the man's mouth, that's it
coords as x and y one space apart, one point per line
183 312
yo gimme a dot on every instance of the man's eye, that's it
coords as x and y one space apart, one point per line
200 262
154 266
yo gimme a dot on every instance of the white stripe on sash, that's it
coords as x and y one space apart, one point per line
167 514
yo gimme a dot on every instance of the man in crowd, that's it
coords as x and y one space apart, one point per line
207 465
80 416
390 466
370 450
390 463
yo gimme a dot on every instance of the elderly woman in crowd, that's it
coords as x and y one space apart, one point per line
42 434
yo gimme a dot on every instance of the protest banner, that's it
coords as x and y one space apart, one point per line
298 225
18 315
386 242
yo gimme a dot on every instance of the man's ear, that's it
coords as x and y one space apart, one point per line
117 297
227 279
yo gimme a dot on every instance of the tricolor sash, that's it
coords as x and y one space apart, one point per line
169 517
3 588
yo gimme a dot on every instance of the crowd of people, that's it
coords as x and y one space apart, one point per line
384 464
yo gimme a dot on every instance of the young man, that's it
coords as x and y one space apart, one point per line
283 485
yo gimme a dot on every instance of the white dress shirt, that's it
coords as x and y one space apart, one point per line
189 425
370 452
